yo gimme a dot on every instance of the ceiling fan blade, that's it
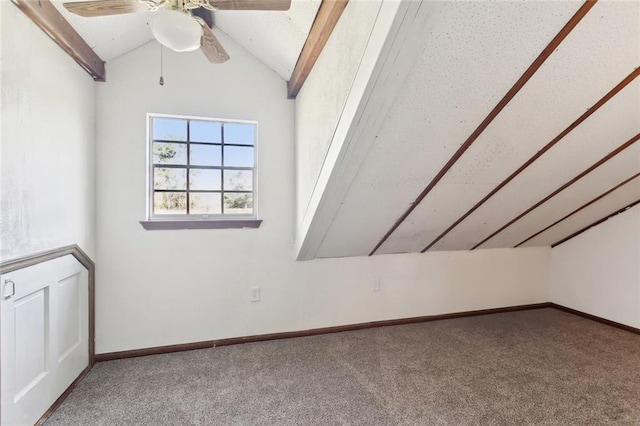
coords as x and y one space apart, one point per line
251 4
90 9
205 14
211 47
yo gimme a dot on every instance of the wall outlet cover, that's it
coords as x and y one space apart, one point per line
376 284
255 294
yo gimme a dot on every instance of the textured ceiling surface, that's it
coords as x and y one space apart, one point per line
563 152
474 54
274 37
110 36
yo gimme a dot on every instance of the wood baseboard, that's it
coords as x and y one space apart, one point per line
110 356
595 318
304 333
317 331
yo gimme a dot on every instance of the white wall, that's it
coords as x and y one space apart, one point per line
167 287
321 101
392 45
598 272
47 143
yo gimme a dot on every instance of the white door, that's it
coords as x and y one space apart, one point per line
45 336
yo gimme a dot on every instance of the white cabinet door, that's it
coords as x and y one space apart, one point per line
45 336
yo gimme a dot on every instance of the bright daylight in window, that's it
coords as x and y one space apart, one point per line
201 169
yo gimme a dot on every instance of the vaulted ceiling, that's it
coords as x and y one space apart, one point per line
518 125
274 37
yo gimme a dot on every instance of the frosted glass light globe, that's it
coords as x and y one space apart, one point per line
176 30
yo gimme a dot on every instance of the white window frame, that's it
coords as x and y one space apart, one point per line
222 218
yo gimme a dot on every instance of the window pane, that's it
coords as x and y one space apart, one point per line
204 179
238 180
238 156
169 153
169 203
205 203
243 134
238 203
205 155
205 131
169 129
166 178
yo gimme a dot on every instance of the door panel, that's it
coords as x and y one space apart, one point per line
44 336
31 335
71 349
69 316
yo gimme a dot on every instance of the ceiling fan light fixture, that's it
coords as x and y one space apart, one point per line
176 30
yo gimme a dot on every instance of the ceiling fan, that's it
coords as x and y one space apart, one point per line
180 25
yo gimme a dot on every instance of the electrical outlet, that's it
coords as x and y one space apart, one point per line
376 285
255 294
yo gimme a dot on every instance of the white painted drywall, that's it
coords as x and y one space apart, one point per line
168 287
47 146
598 272
391 50
321 101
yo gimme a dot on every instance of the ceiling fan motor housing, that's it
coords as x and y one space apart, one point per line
180 25
176 30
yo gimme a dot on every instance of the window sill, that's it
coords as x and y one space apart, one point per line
167 225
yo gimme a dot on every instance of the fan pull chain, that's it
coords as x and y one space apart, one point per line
161 72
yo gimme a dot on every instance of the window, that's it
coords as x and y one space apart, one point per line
201 170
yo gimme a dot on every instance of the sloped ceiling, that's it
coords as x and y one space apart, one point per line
275 37
110 36
467 158
497 138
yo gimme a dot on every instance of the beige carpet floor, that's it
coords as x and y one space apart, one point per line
540 366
